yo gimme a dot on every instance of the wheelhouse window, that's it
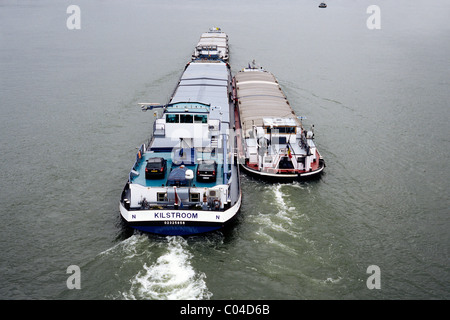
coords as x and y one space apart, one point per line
172 118
186 118
200 118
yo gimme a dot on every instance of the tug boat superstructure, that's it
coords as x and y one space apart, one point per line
185 180
272 142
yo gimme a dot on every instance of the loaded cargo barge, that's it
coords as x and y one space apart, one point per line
185 180
272 143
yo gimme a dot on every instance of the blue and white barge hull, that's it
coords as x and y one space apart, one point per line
179 221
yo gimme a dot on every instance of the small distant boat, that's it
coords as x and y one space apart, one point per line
323 5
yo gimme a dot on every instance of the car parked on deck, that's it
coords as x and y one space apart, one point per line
207 171
155 168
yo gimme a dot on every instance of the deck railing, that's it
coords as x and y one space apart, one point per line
139 157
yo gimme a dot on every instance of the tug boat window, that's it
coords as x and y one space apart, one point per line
275 130
285 163
282 140
172 118
278 140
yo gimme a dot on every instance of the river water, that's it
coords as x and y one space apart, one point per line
70 125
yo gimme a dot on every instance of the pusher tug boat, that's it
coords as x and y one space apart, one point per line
272 143
185 180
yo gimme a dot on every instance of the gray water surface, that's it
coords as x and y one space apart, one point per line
70 125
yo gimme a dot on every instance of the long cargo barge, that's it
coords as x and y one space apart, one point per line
185 180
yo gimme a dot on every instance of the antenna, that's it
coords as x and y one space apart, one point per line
150 106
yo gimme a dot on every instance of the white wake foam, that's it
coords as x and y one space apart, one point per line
283 219
171 277
129 247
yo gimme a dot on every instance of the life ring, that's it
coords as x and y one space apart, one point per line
139 154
